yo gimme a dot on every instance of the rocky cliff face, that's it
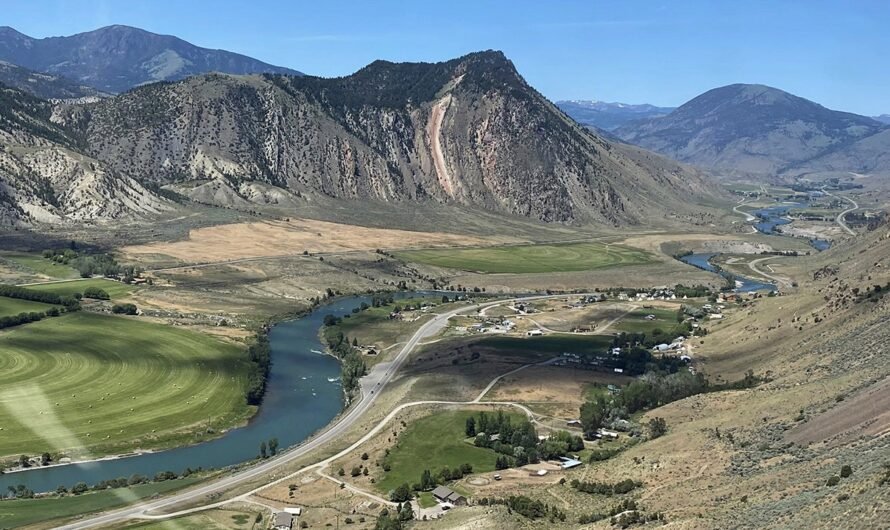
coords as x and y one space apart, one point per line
468 131
44 176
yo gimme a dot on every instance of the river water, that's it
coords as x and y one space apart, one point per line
743 285
771 217
303 394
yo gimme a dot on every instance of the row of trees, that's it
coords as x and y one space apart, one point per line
527 507
9 321
260 356
21 293
605 488
650 391
352 366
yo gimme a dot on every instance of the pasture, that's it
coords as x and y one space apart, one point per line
114 288
87 384
665 320
21 512
434 442
518 259
37 264
14 306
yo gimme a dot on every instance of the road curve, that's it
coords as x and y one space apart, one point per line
840 216
372 385
784 282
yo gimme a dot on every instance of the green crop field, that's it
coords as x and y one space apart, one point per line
16 513
665 320
39 265
547 346
85 383
14 306
114 289
566 257
434 442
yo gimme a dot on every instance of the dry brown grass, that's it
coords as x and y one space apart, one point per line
277 238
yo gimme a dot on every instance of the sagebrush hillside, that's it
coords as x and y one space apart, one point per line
469 131
759 129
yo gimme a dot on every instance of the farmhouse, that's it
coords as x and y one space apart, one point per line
448 495
282 521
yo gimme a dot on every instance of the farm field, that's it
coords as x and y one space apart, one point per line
39 265
209 520
434 442
14 306
113 288
636 322
566 257
17 513
87 384
545 346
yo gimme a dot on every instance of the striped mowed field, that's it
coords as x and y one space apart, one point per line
561 257
92 384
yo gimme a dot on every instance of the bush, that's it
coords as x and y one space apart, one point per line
96 293
124 309
833 481
846 471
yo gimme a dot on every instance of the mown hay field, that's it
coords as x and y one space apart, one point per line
90 384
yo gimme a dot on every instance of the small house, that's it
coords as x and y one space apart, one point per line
534 333
448 496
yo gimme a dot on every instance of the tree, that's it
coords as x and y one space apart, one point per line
593 414
427 482
402 493
846 471
263 450
273 446
45 459
406 513
24 461
356 471
471 427
80 487
657 427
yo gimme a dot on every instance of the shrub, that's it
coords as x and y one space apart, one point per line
846 471
96 293
833 481
124 309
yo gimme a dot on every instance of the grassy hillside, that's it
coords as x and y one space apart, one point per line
115 384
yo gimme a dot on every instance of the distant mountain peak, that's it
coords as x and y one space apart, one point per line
749 127
117 58
609 115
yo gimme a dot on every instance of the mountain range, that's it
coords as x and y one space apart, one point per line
760 129
117 58
42 85
467 132
609 116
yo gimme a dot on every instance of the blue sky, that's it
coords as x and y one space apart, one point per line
665 52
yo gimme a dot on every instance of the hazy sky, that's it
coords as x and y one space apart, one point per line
835 53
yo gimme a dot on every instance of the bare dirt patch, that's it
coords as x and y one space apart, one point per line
865 414
561 388
277 238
